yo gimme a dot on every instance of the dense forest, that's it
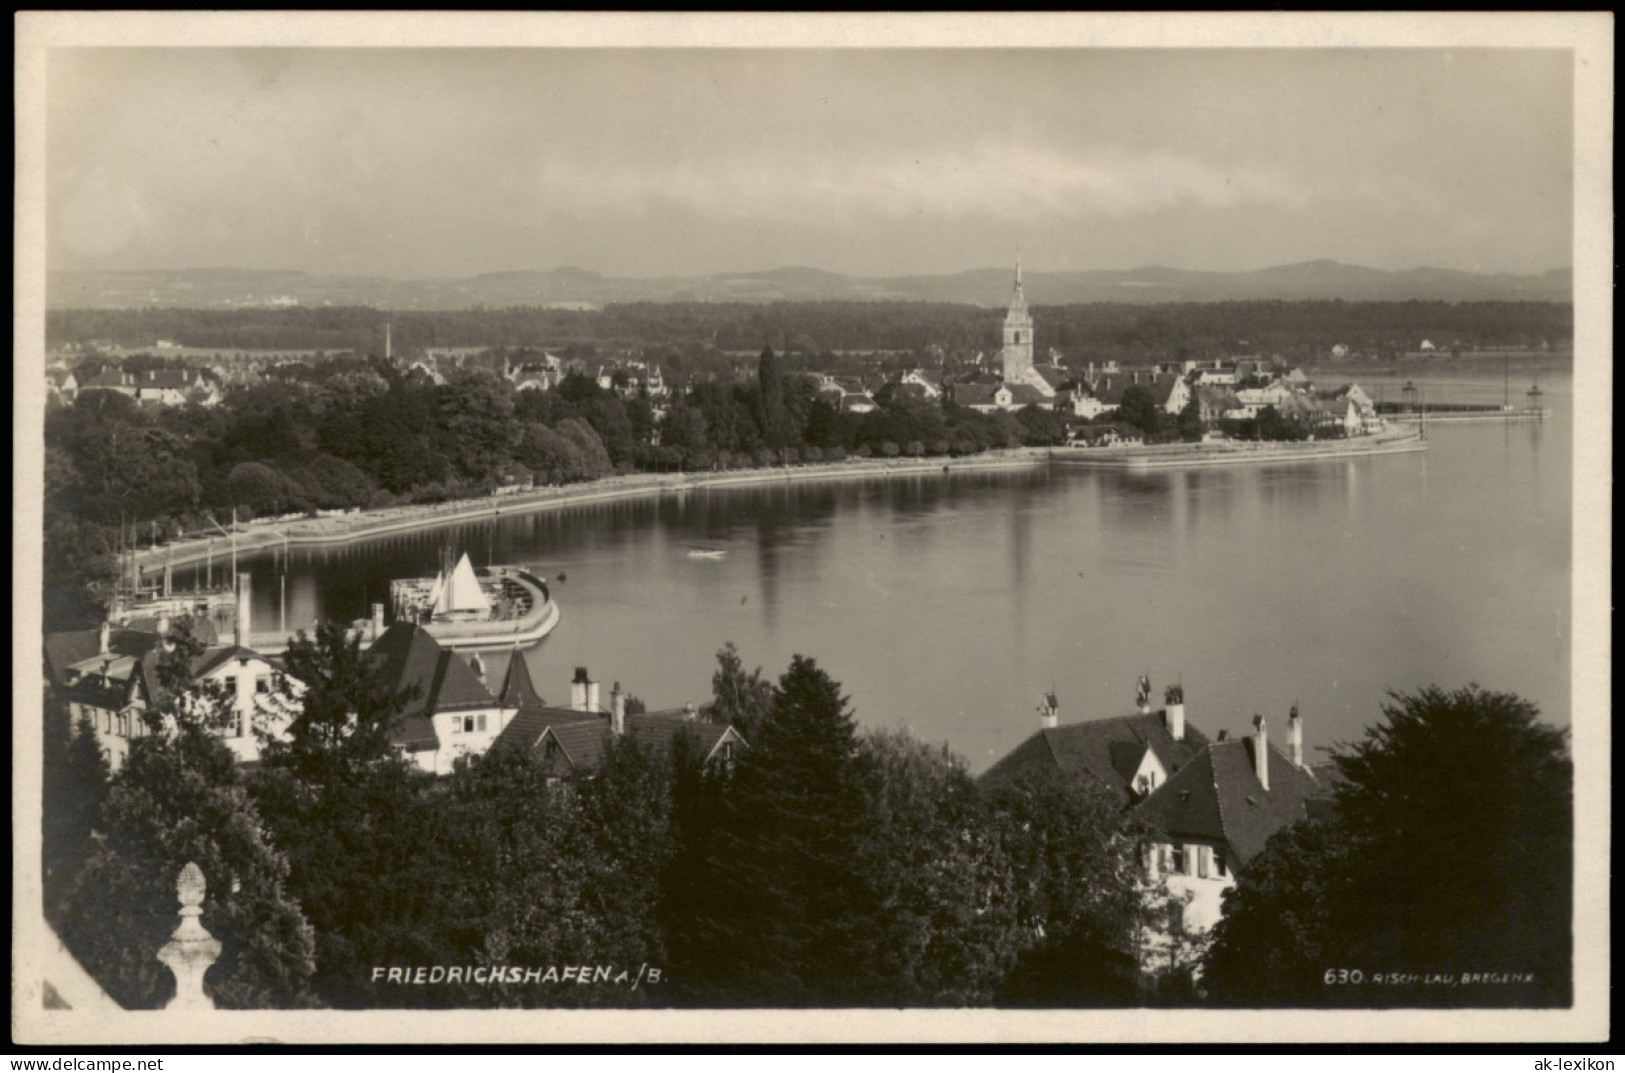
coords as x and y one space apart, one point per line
1295 330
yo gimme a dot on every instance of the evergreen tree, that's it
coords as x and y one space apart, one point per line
350 812
789 915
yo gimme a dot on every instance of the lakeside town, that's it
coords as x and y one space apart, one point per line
1018 530
1157 819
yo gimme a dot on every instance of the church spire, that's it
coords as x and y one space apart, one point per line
1018 272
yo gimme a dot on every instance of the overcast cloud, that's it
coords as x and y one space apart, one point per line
415 163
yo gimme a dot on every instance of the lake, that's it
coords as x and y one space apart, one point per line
948 603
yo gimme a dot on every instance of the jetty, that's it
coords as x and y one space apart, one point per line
1239 452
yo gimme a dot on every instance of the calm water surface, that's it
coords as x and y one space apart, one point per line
949 603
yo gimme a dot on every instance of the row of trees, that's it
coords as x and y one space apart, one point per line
826 867
347 433
1296 329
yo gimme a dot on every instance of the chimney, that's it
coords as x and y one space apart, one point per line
105 638
617 710
592 696
1173 712
377 621
244 607
1294 737
1142 694
578 690
1261 752
1049 712
1224 735
690 712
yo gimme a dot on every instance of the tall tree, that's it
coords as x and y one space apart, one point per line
1078 893
787 913
739 698
350 812
1450 851
944 925
770 397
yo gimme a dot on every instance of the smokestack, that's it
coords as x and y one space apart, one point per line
1173 712
244 607
1261 752
105 638
1049 712
617 710
1294 737
578 690
377 621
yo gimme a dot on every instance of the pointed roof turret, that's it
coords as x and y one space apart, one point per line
1018 295
517 689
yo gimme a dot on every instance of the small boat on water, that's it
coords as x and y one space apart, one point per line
465 607
706 553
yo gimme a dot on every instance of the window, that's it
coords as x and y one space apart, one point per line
479 722
1220 866
1202 855
1176 859
262 684
231 684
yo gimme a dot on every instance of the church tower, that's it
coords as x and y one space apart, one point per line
1018 336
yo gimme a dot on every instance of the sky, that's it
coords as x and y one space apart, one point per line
421 163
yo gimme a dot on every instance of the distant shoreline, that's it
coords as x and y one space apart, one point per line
364 525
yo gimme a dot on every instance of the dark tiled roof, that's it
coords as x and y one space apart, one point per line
1218 796
517 688
411 657
528 725
63 650
656 731
1026 395
975 394
1098 749
584 744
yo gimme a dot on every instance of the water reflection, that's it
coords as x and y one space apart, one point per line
950 600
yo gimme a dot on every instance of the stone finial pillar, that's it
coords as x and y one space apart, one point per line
191 950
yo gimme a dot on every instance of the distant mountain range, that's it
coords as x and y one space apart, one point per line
578 287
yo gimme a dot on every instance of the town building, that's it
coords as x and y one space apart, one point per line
110 679
574 741
1211 804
